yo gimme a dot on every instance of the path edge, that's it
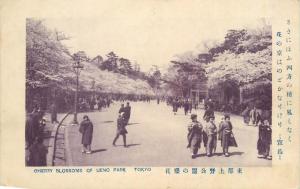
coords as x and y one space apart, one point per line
69 160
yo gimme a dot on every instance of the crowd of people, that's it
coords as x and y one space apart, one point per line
206 132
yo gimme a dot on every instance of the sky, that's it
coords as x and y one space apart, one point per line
148 38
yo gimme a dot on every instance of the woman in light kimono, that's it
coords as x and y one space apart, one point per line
211 131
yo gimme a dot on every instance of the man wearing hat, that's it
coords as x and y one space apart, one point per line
194 135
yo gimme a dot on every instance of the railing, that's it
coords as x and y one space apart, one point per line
55 137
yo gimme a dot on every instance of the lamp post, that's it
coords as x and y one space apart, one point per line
78 58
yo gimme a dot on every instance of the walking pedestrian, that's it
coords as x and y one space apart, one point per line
226 135
175 106
264 140
127 113
253 116
121 110
121 130
194 135
211 131
186 107
190 106
245 115
86 129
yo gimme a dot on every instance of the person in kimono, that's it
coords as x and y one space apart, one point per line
121 130
226 135
264 140
211 131
194 135
86 129
253 116
245 115
186 107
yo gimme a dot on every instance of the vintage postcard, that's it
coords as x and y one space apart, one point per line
150 94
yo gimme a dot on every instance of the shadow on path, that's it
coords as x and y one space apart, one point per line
99 150
133 123
107 121
199 155
235 153
128 145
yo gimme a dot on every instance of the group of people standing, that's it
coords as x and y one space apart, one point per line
209 133
186 104
86 128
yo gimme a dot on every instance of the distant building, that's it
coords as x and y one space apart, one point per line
199 92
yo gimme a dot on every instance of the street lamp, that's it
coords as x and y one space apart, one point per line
78 58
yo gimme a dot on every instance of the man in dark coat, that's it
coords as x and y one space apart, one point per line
186 107
121 130
121 110
127 112
175 106
190 106
194 135
86 129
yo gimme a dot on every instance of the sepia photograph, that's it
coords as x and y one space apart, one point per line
149 92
